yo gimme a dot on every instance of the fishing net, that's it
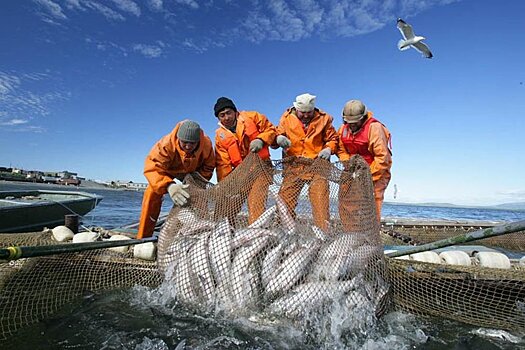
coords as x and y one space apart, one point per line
297 239
482 296
294 240
401 233
32 289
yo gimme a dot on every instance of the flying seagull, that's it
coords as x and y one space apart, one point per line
411 40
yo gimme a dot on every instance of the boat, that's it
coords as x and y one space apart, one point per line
24 211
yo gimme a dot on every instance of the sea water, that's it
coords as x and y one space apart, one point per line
150 318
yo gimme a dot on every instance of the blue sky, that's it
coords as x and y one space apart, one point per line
90 85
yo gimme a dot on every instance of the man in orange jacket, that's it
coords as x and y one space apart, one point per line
185 150
306 131
362 134
239 133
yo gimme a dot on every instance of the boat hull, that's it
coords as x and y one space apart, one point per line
24 211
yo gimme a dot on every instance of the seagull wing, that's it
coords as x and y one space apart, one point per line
405 29
419 46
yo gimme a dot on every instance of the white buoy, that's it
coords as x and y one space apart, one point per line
145 251
84 237
404 257
429 257
123 249
522 261
493 259
455 257
62 233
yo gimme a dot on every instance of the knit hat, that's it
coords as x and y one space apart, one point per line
304 103
189 131
222 103
353 111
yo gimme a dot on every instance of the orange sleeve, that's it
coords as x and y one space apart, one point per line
342 153
281 128
267 131
222 160
378 146
208 159
159 161
330 135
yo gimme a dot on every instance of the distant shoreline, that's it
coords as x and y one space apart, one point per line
84 184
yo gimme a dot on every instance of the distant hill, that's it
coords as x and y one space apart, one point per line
511 206
504 206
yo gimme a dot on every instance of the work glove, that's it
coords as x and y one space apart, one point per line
325 153
177 193
283 141
256 145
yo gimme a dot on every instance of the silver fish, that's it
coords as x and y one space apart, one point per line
246 235
183 280
291 270
308 297
336 259
265 218
241 277
287 220
220 247
270 263
200 267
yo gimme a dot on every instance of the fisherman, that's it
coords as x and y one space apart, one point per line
306 131
362 134
239 133
185 150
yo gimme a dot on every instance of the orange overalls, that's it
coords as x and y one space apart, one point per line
231 148
165 162
307 142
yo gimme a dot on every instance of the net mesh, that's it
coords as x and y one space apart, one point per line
289 240
293 239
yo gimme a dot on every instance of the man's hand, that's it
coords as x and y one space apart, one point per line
325 153
177 193
283 141
256 145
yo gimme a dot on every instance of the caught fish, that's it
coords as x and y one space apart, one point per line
336 259
220 248
200 267
287 220
270 263
291 270
265 218
183 280
308 297
246 235
241 277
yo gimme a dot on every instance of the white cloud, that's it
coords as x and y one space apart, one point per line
190 3
150 51
155 5
14 122
128 6
105 11
19 97
52 8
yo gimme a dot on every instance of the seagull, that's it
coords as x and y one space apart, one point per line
411 40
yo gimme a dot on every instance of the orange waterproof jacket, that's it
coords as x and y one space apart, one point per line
231 149
377 145
167 161
308 143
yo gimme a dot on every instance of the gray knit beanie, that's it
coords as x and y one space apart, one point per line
189 131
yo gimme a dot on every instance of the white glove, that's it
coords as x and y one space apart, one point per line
177 193
325 153
256 145
283 141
